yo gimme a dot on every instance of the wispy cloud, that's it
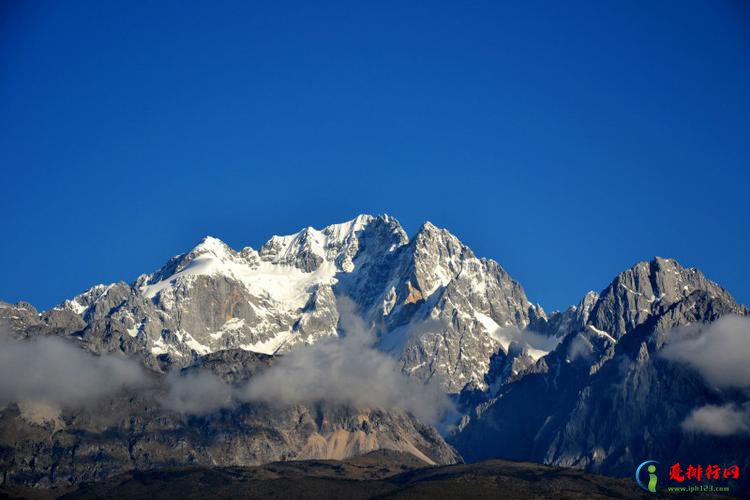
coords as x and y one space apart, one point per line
719 351
724 420
197 393
53 370
348 370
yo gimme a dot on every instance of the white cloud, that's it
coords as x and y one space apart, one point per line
346 370
720 351
718 420
197 393
55 371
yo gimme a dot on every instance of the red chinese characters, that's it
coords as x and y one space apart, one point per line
712 471
698 472
694 472
675 473
732 472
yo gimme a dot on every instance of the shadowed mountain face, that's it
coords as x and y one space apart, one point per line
606 400
376 475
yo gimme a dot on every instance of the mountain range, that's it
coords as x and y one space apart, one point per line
603 385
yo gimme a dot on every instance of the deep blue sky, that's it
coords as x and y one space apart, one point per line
565 140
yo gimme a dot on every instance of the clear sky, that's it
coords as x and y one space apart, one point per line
566 140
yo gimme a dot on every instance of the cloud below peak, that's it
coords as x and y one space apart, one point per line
55 371
720 351
715 420
348 370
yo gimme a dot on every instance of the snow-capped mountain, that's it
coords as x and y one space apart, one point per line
434 305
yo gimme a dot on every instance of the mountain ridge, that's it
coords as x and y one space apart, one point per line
283 295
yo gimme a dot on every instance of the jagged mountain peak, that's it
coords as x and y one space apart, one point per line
588 300
213 245
437 257
318 254
335 232
209 242
309 248
664 276
638 292
207 246
429 232
429 227
631 298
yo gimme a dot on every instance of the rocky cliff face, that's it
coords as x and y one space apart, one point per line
46 447
606 399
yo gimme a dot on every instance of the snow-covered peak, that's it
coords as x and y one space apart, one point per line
286 266
83 303
339 243
439 256
428 229
341 231
208 249
335 233
209 244
429 234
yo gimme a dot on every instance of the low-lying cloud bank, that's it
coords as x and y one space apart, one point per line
344 370
720 351
54 371
198 393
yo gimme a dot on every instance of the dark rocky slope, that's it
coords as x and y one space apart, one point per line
380 474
